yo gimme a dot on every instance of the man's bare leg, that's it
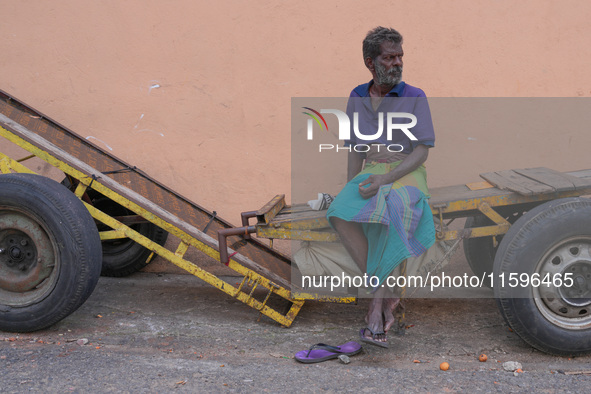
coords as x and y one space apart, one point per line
353 240
355 243
375 316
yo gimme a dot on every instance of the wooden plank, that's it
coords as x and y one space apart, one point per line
549 177
479 185
446 194
303 215
510 180
295 208
531 184
584 174
580 182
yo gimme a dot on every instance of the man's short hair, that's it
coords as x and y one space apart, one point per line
374 39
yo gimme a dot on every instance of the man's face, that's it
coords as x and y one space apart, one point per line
387 67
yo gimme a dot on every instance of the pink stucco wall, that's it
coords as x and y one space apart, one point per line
198 93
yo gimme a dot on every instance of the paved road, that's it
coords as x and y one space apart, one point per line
162 333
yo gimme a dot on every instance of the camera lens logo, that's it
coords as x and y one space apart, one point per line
317 117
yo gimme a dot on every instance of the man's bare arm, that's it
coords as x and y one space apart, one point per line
417 157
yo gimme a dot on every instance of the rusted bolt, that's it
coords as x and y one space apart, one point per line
24 242
15 253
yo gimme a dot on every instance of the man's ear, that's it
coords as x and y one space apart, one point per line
369 64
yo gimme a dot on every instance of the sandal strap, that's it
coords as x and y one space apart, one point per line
373 334
323 346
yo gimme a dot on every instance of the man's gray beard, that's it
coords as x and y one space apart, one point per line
391 78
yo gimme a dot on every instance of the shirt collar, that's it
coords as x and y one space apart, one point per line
396 91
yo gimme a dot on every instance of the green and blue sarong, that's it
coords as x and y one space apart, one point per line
397 221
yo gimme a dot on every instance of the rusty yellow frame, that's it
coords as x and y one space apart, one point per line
316 228
305 229
501 225
251 279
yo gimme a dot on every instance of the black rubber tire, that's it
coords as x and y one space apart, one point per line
123 257
553 238
480 252
51 252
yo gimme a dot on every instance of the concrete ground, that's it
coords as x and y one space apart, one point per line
165 332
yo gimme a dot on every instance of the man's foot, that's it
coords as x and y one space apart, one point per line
388 307
375 338
375 323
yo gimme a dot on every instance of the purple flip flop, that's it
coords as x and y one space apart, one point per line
322 352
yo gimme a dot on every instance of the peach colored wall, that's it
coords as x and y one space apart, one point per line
198 93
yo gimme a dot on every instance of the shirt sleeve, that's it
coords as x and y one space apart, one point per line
423 131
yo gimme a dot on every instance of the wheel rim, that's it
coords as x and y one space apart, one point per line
566 306
28 259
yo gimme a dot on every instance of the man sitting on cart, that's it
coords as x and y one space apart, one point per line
382 214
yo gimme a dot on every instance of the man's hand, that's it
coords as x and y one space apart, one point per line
408 165
369 187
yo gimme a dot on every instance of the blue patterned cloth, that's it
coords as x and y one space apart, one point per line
397 221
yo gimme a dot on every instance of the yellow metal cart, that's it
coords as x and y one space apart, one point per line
520 223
